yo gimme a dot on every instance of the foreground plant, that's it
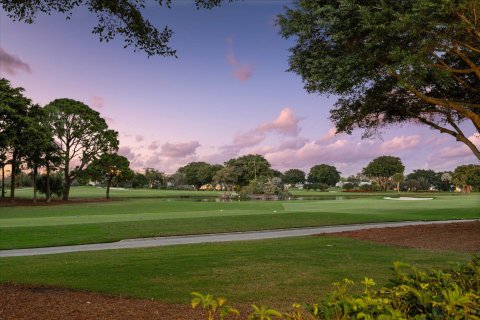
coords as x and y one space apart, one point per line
411 294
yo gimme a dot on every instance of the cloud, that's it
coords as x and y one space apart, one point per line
400 143
11 64
97 102
242 72
179 150
154 145
126 152
139 138
286 124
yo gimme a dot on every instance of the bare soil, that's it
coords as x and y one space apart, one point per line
461 236
34 302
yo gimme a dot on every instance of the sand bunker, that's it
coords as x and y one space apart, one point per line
407 198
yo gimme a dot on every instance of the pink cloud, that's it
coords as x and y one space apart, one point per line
179 150
286 123
400 143
242 72
11 64
153 146
97 102
139 138
126 152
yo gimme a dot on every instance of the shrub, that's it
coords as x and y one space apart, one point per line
56 184
415 294
348 186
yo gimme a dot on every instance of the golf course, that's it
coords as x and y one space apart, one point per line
276 272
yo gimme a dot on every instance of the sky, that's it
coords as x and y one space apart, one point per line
227 94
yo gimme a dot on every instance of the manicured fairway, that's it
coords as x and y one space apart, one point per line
277 272
27 226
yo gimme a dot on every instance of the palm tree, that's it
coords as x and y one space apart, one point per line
398 178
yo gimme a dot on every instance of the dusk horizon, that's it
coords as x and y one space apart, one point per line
227 94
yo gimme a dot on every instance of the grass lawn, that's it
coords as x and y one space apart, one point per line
97 192
276 272
28 226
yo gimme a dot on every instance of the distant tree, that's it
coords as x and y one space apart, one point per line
432 177
398 178
139 180
177 179
446 178
156 179
390 61
249 167
467 175
381 169
81 134
108 167
293 176
3 161
199 173
228 175
122 17
324 173
14 122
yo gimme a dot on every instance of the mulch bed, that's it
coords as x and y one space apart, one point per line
461 236
34 302
27 302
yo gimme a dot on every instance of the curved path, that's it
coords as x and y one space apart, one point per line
217 237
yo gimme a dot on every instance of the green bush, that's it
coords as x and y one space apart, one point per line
411 294
348 186
56 184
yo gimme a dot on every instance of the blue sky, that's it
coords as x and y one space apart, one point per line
227 94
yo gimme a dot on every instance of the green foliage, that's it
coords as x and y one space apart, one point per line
324 173
139 181
199 173
293 176
468 175
348 186
56 184
155 178
417 294
108 167
383 168
266 188
242 170
214 306
390 61
427 178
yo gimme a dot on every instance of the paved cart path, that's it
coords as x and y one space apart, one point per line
208 238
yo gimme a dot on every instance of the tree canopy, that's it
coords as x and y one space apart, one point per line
248 167
391 61
293 176
199 173
122 18
81 134
108 167
324 173
383 168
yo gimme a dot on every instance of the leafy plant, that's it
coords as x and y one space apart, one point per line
411 294
214 306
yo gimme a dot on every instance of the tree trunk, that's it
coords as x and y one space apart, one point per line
13 176
398 187
108 188
3 181
66 183
49 196
35 184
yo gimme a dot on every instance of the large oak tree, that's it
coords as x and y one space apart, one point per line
391 62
